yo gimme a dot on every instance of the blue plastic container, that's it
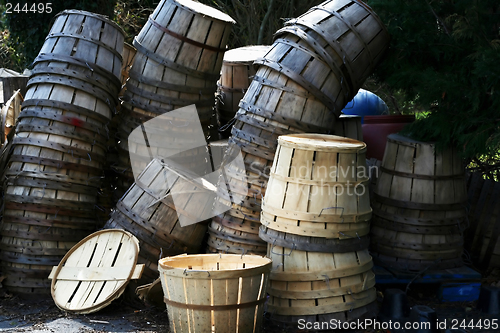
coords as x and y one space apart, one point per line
365 103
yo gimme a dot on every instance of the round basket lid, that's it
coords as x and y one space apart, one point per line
95 271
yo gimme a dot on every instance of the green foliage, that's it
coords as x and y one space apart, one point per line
131 15
27 30
444 55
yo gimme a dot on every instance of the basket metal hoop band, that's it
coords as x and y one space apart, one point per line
174 66
421 222
55 163
88 39
136 76
82 225
104 96
168 100
418 205
263 125
75 61
35 207
226 237
75 75
199 307
64 106
269 83
51 185
425 177
97 140
57 117
321 96
253 138
249 148
279 118
328 245
75 152
184 38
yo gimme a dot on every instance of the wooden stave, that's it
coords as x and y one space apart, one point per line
112 38
128 56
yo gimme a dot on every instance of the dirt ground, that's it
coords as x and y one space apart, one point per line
40 314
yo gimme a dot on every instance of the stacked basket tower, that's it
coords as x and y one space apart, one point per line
315 66
178 61
179 56
419 207
53 177
316 220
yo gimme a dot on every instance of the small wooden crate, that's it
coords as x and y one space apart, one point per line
215 292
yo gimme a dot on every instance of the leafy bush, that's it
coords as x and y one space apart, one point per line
444 55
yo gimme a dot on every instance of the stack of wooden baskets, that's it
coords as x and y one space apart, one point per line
315 220
178 61
419 207
53 176
313 69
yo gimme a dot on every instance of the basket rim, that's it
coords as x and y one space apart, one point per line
185 272
313 141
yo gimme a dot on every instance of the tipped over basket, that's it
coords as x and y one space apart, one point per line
215 292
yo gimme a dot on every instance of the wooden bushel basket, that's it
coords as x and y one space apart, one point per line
236 75
91 38
304 283
419 206
318 187
349 32
220 293
153 218
179 55
42 220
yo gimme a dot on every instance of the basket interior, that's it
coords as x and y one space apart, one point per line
214 262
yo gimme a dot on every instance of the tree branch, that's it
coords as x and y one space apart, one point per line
264 20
